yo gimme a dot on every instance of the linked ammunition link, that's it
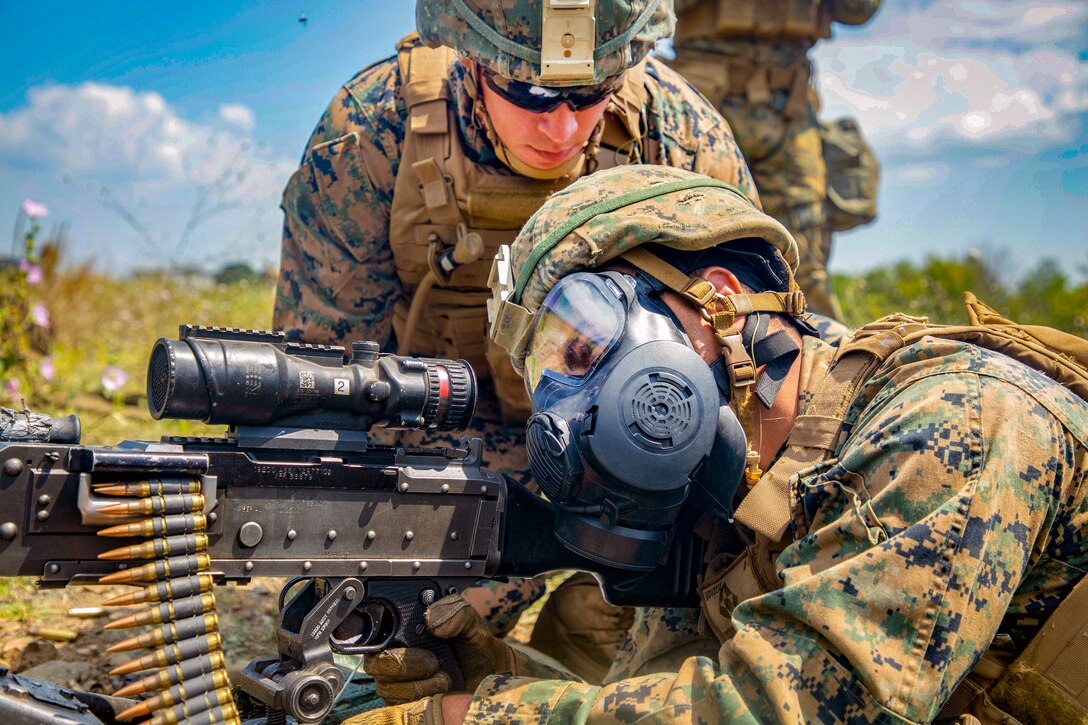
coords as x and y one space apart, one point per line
191 683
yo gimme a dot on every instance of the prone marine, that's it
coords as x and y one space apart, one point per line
895 528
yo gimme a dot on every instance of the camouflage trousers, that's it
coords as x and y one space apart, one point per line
785 156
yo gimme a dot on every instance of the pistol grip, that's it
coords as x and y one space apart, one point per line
410 599
441 649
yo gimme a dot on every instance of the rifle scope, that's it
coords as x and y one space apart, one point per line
244 377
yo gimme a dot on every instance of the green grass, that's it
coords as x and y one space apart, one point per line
99 322
16 599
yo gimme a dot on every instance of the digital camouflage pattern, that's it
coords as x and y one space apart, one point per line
788 165
626 31
952 516
695 218
761 84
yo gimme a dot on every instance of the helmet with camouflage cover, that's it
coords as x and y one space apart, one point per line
611 212
548 42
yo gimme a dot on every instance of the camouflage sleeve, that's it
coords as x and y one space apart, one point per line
916 540
502 603
853 12
337 280
692 134
830 330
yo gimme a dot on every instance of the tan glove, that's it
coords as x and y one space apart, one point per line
409 673
420 712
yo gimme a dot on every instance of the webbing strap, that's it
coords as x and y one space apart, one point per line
767 507
433 183
696 289
425 84
817 432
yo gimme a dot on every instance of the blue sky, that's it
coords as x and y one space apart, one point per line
165 134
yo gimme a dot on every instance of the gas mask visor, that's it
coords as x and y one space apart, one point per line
577 325
625 415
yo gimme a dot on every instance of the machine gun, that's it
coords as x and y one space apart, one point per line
369 535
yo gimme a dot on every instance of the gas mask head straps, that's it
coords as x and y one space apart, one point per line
720 312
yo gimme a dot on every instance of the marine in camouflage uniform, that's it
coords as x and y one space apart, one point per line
949 522
344 273
750 58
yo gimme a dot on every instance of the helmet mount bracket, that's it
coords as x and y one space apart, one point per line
568 34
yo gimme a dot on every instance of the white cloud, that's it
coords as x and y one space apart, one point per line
978 21
238 115
923 174
961 73
172 182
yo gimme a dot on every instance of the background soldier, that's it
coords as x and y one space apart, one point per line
750 57
424 163
923 509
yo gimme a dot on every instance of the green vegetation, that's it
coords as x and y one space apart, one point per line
16 601
1044 296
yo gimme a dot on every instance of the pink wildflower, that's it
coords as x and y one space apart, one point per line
39 315
33 272
47 369
11 387
34 209
113 378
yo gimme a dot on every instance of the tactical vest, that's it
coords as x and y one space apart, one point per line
753 18
783 85
1049 675
440 196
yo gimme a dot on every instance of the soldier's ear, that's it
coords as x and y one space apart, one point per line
723 280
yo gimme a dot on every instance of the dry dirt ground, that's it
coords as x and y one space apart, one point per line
35 628
39 638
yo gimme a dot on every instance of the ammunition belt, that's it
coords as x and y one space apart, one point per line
189 675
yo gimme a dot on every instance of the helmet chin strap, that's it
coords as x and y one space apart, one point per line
575 166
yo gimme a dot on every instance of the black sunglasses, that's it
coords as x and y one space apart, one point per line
543 99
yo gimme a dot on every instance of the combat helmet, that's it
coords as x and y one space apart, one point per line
615 213
548 42
610 214
545 43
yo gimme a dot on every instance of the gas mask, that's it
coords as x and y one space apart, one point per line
628 422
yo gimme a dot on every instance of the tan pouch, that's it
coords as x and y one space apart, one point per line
853 174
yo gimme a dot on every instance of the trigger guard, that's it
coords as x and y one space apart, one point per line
369 629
